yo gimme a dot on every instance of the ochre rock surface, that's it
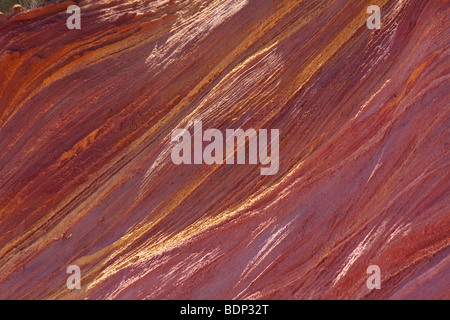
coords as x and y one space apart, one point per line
86 177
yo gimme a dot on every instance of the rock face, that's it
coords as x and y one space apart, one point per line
86 176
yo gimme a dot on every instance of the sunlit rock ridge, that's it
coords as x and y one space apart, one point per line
86 176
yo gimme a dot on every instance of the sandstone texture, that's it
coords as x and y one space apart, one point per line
86 177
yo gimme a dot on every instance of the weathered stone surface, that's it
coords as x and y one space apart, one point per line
86 176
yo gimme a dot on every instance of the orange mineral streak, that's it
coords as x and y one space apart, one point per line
86 176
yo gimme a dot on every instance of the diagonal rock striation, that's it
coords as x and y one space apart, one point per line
86 176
